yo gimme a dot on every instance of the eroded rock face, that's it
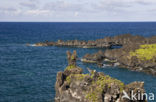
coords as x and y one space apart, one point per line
72 58
74 86
126 60
123 55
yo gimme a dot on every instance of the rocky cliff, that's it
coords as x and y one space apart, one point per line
74 86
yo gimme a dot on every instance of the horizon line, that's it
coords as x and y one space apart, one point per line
72 21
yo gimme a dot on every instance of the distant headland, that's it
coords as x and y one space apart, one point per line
137 53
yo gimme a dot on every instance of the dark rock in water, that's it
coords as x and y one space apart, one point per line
72 58
93 58
125 59
107 42
137 54
127 56
74 86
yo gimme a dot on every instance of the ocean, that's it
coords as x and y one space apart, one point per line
28 73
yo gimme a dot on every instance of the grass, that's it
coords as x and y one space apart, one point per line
145 52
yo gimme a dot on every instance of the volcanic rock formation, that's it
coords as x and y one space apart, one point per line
74 86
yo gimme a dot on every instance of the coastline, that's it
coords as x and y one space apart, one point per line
119 56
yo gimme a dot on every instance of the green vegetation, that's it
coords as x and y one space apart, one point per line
145 52
68 79
72 57
100 85
97 85
70 67
76 77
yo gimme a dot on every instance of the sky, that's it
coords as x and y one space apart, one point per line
77 10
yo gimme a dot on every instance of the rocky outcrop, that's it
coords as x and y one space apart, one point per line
123 57
74 86
137 53
106 42
74 43
134 57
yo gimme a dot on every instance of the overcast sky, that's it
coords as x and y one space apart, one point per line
77 10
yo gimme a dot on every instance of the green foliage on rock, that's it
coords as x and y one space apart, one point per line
76 77
99 85
145 52
70 67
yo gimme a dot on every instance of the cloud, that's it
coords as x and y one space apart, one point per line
76 14
64 6
9 11
37 12
79 9
145 2
123 7
28 5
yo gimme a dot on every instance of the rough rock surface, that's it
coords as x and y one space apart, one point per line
74 86
106 42
123 55
125 59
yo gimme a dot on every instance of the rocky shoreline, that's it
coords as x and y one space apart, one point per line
132 55
74 86
137 55
75 43
107 42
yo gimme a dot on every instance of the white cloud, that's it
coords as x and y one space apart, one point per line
64 6
29 5
38 12
9 11
79 10
76 14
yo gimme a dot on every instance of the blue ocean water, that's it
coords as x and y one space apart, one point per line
28 74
